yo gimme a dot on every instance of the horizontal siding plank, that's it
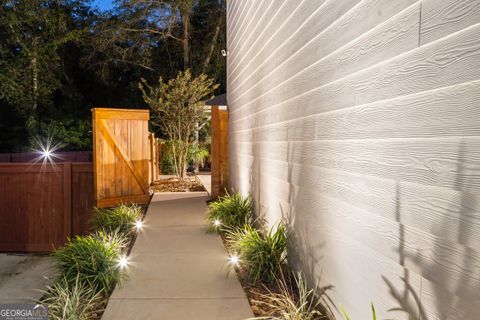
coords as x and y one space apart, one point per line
257 20
420 252
285 29
253 37
297 130
333 61
443 17
278 17
243 26
358 273
448 62
450 163
237 17
313 21
450 215
450 111
438 304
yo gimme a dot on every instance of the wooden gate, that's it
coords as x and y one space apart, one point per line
120 156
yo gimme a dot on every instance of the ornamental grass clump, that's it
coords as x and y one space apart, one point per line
263 255
121 219
94 260
229 212
289 302
75 300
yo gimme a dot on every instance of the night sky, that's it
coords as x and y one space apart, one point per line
103 4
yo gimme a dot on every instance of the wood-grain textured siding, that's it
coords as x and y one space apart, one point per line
359 122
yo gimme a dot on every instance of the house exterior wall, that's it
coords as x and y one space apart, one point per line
358 121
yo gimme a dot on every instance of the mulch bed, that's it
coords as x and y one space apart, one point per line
174 185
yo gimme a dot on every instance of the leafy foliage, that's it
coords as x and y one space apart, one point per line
93 260
179 106
76 134
263 255
77 300
120 219
291 302
59 58
198 153
231 211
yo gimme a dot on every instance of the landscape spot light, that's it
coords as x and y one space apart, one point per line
123 262
217 223
234 260
139 225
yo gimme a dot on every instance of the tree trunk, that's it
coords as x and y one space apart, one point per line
196 164
32 118
212 44
186 39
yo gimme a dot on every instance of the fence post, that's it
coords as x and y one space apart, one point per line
160 156
219 150
67 199
150 160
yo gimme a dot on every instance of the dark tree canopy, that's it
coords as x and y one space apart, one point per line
59 58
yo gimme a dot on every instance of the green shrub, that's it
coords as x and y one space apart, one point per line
167 164
263 255
291 303
76 300
230 211
121 219
93 259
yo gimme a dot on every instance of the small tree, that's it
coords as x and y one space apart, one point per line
179 105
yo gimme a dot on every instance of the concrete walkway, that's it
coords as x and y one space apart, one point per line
206 180
178 271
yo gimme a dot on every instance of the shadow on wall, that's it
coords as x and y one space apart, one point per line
447 287
403 296
448 300
304 256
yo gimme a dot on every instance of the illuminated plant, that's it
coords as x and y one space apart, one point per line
179 106
95 260
263 255
123 219
291 303
230 211
75 300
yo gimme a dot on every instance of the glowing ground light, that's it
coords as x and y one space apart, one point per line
234 260
138 225
217 223
123 262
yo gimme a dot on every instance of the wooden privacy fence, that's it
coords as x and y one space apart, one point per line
121 154
67 156
42 205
